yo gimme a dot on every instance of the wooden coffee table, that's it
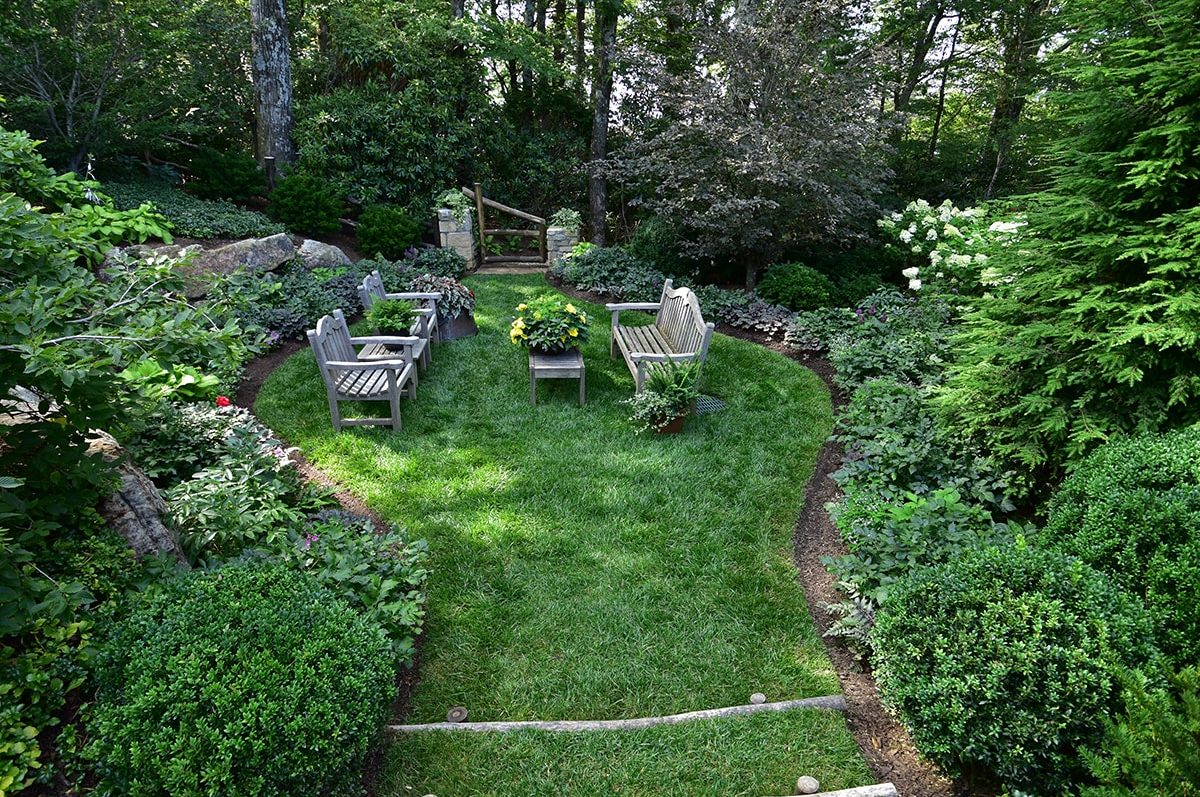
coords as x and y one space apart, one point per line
568 365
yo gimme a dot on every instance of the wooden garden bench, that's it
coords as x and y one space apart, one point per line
351 376
426 325
679 332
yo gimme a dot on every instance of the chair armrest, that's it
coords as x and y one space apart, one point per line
616 308
386 340
427 295
368 365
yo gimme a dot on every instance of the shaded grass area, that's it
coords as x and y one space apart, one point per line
580 571
758 755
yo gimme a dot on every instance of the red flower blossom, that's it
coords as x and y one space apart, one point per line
223 401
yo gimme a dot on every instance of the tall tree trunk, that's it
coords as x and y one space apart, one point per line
560 30
458 8
272 71
580 40
941 105
606 43
1022 34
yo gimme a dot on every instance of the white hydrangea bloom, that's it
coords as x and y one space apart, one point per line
911 272
931 235
1006 226
940 275
905 237
914 285
952 231
981 258
935 257
896 215
959 260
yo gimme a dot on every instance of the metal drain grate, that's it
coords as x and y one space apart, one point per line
707 404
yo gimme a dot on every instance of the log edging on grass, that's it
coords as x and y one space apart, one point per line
830 702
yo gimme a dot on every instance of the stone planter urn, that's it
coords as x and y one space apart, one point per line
559 243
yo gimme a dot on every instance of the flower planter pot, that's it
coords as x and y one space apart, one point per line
461 326
674 426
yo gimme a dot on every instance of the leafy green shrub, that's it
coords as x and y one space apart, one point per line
226 175
190 216
107 226
1153 749
895 446
440 262
456 297
1131 509
392 316
612 272
249 680
153 380
387 230
897 539
796 287
306 205
743 310
380 574
248 497
656 243
177 440
1005 660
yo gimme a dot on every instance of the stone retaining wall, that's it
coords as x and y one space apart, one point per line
456 236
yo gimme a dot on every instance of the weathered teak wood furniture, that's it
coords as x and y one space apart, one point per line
679 332
350 377
567 365
426 325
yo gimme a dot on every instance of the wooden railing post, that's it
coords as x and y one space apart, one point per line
479 212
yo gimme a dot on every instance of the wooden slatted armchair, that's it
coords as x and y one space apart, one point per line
425 327
349 376
679 332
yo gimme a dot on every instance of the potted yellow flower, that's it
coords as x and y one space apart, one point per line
549 324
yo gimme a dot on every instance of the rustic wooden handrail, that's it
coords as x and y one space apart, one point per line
482 202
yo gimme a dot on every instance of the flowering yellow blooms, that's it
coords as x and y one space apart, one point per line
571 308
522 307
519 323
573 332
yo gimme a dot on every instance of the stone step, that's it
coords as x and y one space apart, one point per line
511 268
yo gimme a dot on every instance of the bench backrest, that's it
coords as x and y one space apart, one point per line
680 321
371 290
330 341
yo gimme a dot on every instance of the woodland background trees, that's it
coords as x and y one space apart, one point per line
754 127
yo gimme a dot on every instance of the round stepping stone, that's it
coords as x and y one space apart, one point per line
758 698
457 714
807 784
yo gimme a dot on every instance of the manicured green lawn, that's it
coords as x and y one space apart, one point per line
583 572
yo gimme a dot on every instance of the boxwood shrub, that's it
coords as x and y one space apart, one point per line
1004 662
249 680
387 230
1132 510
306 205
796 286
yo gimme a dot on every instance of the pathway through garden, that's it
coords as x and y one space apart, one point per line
582 572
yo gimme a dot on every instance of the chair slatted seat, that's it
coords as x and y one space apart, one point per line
350 377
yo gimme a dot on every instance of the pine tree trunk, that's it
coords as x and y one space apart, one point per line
272 71
606 23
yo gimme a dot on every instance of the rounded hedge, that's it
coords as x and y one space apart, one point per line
1005 661
440 262
796 287
306 204
387 230
249 680
1131 509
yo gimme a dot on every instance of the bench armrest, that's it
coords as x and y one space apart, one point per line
618 307
647 357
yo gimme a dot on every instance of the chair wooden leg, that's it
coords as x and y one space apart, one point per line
412 390
395 402
335 414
